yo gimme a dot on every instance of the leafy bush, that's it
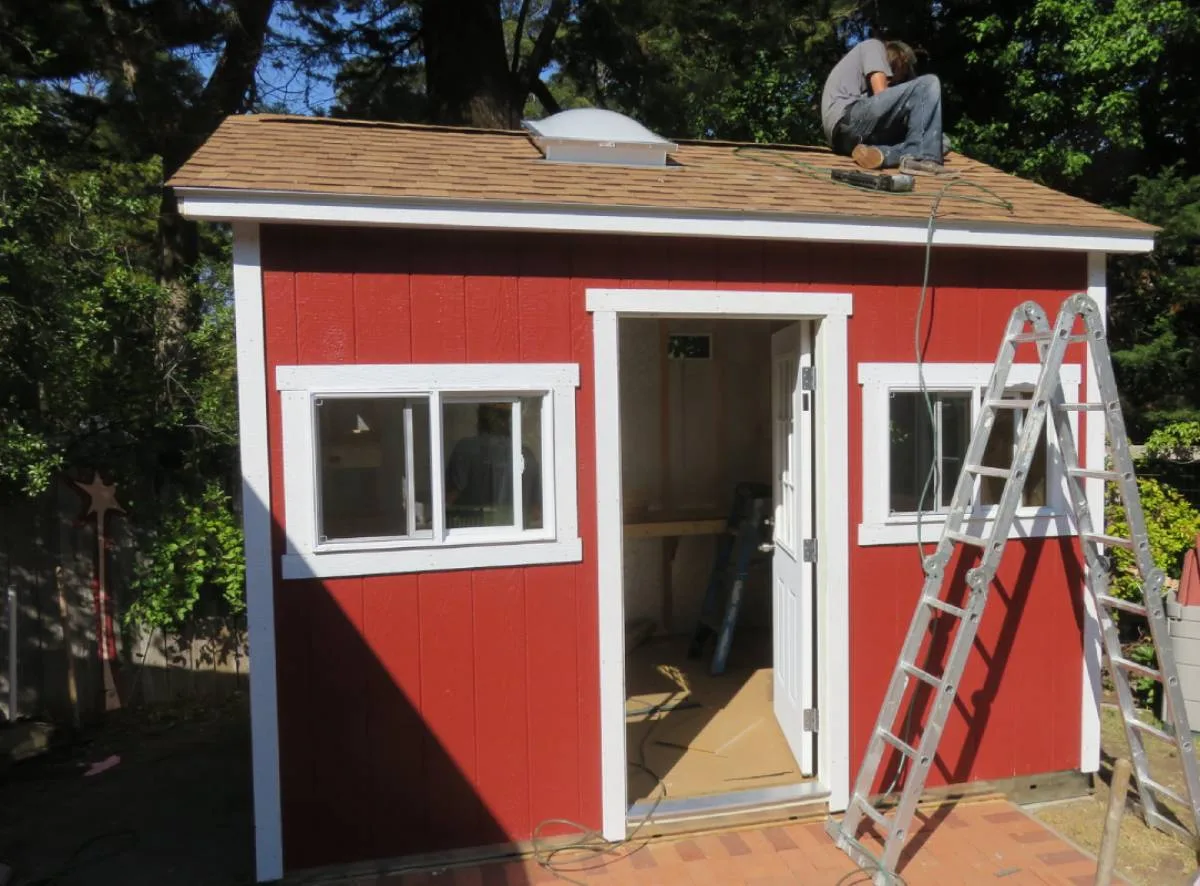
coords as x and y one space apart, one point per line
196 547
1172 525
1176 441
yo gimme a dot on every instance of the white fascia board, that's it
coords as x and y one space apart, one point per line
217 204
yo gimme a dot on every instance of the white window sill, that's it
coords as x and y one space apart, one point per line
431 559
1042 523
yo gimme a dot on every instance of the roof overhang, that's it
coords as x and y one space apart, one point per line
222 204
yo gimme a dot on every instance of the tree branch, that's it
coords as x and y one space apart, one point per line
542 93
516 46
539 56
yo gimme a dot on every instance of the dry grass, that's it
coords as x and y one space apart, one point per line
1146 857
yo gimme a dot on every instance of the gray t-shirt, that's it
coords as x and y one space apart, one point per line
850 80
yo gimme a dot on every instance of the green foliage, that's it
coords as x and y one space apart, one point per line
1154 307
196 545
1178 440
1172 525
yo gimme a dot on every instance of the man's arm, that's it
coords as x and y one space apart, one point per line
879 82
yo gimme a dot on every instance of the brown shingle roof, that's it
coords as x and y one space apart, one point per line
306 155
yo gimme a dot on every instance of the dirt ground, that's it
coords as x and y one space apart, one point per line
1146 857
175 811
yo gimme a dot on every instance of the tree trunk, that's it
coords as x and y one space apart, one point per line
468 80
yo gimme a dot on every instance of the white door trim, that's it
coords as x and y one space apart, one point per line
832 519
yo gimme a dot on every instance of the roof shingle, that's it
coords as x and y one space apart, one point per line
307 155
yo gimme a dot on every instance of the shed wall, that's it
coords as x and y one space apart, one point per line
432 711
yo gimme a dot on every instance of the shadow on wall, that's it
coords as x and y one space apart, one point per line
373 765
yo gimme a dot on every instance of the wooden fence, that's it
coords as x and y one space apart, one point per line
48 557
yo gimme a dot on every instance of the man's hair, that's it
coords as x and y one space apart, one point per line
902 59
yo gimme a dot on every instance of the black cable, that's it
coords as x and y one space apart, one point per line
75 863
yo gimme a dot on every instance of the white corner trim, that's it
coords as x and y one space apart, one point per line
1089 732
832 524
232 204
725 303
878 527
256 523
557 542
420 377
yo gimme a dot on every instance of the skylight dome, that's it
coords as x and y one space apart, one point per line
592 135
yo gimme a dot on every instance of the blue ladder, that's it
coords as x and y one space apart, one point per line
747 531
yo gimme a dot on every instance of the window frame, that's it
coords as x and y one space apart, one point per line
879 380
557 541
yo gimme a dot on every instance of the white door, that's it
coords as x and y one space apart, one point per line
791 576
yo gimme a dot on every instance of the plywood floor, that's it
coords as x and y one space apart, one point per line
722 737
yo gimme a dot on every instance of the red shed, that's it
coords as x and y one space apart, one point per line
498 391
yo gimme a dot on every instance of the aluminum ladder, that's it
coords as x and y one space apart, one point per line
892 816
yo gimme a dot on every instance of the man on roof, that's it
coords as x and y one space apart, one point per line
877 111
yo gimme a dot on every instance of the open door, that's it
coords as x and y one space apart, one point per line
792 571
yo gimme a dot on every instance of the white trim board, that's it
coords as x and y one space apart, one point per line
878 527
1094 453
233 204
256 523
832 520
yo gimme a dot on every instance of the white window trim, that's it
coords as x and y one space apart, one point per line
878 527
557 542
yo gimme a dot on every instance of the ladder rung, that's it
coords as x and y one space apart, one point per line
874 814
968 539
1083 407
923 676
1150 730
949 608
1123 605
1111 541
1022 337
985 471
1128 665
1110 476
1164 790
902 746
1009 404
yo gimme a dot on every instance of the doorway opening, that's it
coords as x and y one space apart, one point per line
709 406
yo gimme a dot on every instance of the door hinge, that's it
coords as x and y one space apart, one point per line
811 720
808 550
808 378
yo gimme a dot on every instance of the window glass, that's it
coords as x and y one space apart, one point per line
532 461
917 440
364 461
1001 447
478 451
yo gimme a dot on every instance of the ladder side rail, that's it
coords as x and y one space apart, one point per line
1096 576
980 577
934 566
1153 578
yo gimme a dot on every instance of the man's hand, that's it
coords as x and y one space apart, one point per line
879 82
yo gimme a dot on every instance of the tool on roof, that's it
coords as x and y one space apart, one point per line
895 182
919 678
747 531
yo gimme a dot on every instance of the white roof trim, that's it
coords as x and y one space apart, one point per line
220 204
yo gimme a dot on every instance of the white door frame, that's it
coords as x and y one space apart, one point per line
831 463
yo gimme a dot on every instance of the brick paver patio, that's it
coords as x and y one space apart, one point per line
990 842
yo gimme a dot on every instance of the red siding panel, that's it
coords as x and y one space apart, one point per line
458 709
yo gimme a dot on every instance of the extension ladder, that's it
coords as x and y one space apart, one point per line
1028 325
745 534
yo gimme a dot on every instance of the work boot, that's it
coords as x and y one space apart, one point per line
867 156
917 166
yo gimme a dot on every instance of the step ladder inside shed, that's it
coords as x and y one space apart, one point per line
923 685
